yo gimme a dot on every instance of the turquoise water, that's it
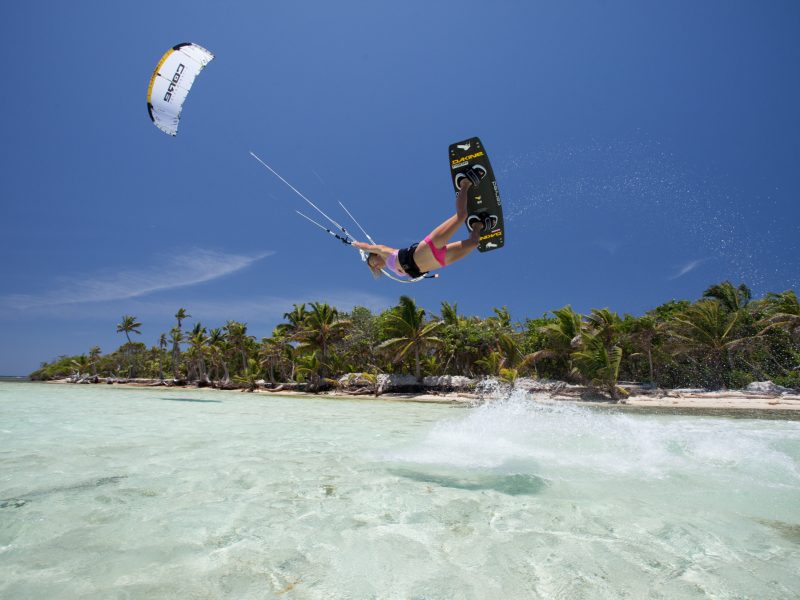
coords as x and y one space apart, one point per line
154 493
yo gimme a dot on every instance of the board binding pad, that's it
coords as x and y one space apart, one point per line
483 199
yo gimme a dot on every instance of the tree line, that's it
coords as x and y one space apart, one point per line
726 339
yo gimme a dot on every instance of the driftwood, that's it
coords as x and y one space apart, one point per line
362 391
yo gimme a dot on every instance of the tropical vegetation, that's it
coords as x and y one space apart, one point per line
725 339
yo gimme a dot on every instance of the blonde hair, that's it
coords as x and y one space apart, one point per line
376 271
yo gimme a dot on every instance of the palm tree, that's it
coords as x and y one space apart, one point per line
236 333
273 355
455 342
600 355
162 345
181 316
509 376
735 300
129 325
176 337
563 338
81 364
604 324
213 350
406 324
250 375
309 368
492 363
641 333
782 312
284 361
449 313
94 356
599 363
372 379
431 365
321 328
732 299
503 317
505 338
567 328
296 318
704 334
508 345
198 348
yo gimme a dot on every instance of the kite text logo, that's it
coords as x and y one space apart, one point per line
175 79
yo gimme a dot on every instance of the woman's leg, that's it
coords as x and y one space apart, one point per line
442 234
458 250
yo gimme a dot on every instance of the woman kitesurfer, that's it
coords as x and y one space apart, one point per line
434 251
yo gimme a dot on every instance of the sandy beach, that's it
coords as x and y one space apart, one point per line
679 401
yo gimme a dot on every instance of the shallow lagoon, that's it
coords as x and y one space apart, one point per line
162 493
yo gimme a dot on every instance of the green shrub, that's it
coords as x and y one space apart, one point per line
738 379
792 380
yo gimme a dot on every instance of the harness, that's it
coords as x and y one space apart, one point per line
405 257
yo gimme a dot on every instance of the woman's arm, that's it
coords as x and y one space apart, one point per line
383 251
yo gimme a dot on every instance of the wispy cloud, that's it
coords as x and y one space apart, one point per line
166 273
688 267
609 246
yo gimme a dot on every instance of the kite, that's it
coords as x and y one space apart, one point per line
171 82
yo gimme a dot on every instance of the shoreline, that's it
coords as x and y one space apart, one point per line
687 402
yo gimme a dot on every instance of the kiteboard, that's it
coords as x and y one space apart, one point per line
483 204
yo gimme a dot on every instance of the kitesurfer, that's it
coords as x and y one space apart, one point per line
434 251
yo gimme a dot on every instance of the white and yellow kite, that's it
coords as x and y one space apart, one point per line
171 82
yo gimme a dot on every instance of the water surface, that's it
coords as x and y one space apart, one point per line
108 492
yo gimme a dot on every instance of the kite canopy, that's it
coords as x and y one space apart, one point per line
171 82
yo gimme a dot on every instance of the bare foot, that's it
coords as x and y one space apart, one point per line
475 233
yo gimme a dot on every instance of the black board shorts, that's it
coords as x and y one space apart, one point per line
405 257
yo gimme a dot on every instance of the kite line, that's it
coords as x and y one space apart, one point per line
345 237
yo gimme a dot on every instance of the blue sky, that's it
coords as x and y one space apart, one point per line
644 150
